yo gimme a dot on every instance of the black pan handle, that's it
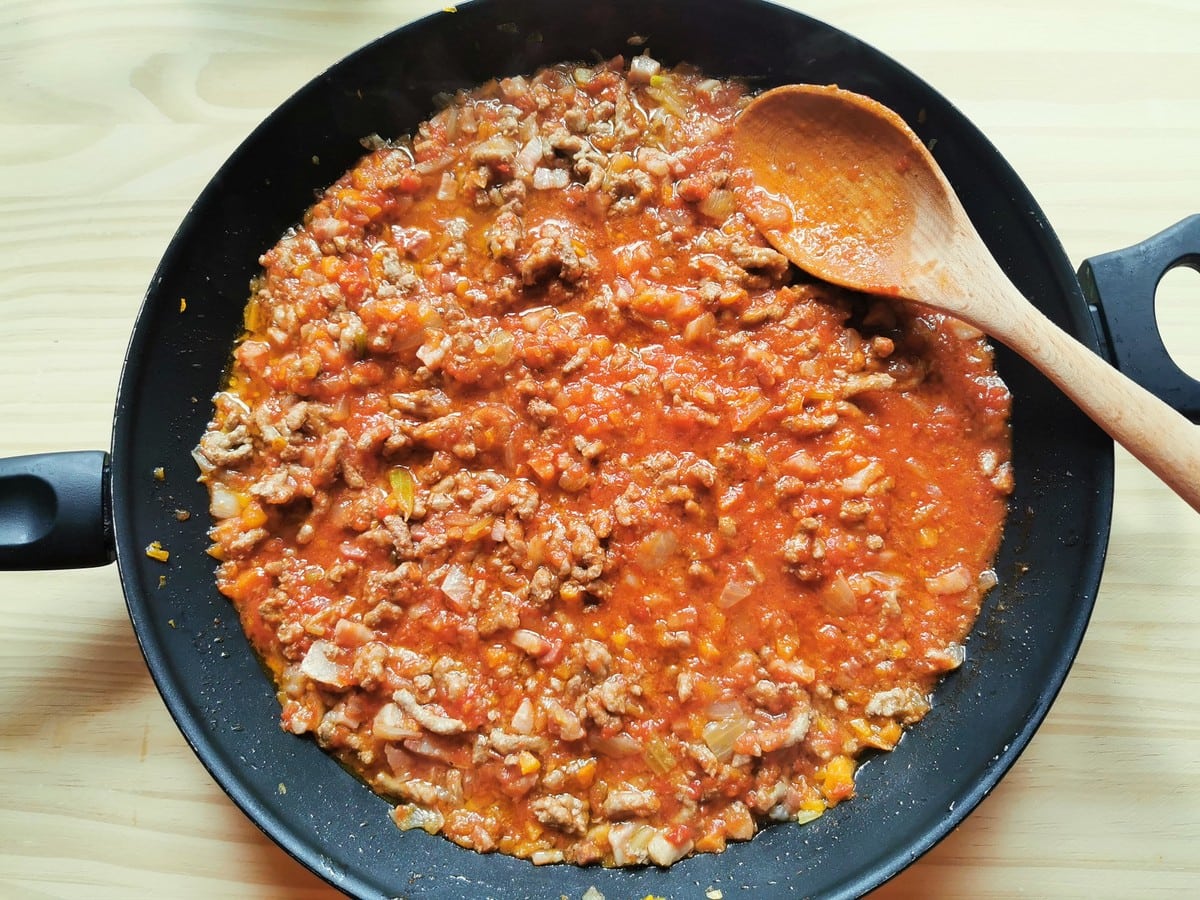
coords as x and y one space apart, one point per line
1121 286
55 511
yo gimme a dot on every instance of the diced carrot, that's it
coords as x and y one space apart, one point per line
156 551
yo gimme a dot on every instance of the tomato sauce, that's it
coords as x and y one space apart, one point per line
567 513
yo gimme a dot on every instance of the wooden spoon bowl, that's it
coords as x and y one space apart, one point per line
843 187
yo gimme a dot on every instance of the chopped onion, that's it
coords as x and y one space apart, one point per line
619 745
456 585
721 709
953 580
390 724
530 641
659 756
664 90
656 549
630 842
423 745
536 318
839 598
223 503
719 204
952 656
750 406
436 164
348 633
663 852
802 464
720 736
699 327
643 68
447 187
451 117
545 179
530 155
733 593
500 346
886 579
428 315
318 666
408 816
863 478
523 719
433 353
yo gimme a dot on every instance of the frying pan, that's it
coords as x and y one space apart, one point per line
82 508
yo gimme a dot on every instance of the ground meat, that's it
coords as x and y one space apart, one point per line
596 658
330 455
424 404
503 742
553 253
612 698
498 152
502 612
427 717
905 703
505 235
567 724
629 803
543 586
628 190
243 542
452 681
541 411
227 449
565 812
278 487
565 511
776 736
416 791
760 259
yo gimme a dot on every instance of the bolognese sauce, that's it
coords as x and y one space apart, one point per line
569 515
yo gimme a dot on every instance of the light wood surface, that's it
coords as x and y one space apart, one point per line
113 116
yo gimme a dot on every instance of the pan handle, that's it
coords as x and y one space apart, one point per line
55 511
1121 286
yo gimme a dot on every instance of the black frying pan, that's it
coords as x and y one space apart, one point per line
80 509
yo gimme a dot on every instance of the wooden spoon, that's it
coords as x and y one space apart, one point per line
843 188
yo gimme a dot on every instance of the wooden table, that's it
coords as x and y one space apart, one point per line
114 114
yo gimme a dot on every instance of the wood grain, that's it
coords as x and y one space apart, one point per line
113 116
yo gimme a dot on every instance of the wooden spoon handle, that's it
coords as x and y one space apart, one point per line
1166 442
